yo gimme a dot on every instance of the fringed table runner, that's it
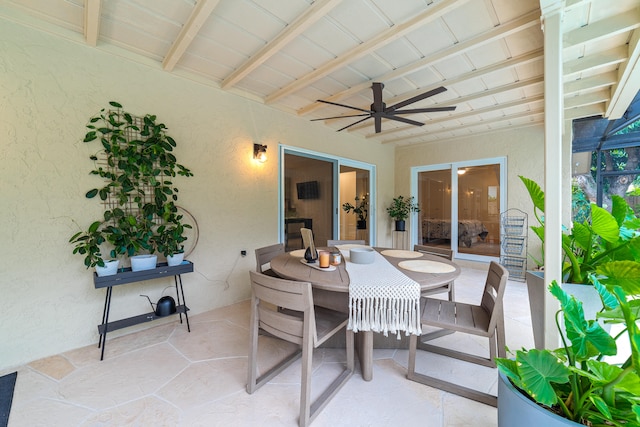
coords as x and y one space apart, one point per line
381 298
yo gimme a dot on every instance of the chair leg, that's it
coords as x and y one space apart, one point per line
337 384
469 393
305 381
252 369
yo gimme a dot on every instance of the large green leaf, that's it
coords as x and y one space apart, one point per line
535 192
619 209
625 274
604 224
538 369
588 339
581 234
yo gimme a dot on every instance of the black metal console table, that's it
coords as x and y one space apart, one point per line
128 276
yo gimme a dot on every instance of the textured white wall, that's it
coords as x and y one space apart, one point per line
523 148
49 87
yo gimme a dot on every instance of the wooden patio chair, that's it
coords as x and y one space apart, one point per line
444 253
486 319
299 322
265 255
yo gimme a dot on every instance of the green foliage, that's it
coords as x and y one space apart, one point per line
361 208
401 207
574 380
137 159
600 239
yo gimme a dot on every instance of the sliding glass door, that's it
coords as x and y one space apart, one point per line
331 196
460 205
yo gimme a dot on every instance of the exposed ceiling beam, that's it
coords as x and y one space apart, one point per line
603 29
586 111
316 11
189 31
589 83
489 36
469 125
433 11
598 97
593 62
628 80
92 21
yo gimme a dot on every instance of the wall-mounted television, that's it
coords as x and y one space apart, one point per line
308 190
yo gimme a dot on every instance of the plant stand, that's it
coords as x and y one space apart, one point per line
513 234
400 240
128 276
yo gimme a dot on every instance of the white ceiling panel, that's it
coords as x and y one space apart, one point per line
290 53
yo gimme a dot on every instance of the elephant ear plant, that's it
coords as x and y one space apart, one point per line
575 381
601 238
138 166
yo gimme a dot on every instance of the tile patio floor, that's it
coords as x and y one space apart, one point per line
164 376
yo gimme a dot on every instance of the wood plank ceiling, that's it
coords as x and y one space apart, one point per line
290 53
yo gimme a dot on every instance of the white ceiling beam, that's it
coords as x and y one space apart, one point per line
189 31
603 29
315 12
469 125
433 11
598 81
586 111
92 21
593 62
628 81
598 97
489 36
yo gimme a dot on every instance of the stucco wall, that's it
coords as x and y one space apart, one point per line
523 148
49 87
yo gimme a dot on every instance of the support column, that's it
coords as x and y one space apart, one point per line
552 11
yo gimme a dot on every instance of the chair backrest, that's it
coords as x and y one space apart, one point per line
434 250
274 297
344 242
266 254
493 292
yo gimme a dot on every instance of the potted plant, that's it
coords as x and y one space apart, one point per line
576 384
360 209
400 209
138 165
601 238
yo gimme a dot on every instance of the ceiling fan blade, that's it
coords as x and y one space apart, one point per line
378 123
403 120
417 98
378 105
345 106
341 117
421 110
353 124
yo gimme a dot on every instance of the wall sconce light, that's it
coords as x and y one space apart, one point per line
260 152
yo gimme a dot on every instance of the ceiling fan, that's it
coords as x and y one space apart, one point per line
379 109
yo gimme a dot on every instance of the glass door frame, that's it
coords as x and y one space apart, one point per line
337 161
453 168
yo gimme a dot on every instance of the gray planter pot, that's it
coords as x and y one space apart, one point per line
536 287
516 409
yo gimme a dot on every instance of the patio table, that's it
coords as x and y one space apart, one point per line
331 288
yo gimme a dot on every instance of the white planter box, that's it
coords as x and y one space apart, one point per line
143 262
175 259
110 268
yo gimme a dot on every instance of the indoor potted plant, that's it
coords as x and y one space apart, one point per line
400 209
360 209
575 384
138 165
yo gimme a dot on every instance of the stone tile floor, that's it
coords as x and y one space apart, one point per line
165 376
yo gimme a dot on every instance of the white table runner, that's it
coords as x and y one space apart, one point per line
381 297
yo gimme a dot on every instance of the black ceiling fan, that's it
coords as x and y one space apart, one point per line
379 109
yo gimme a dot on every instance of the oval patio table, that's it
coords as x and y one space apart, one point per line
331 288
